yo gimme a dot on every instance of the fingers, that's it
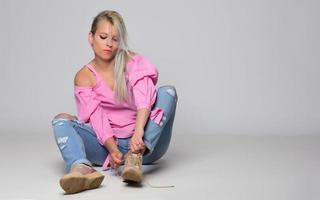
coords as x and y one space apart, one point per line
116 160
136 145
114 165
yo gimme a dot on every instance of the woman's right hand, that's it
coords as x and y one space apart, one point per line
116 159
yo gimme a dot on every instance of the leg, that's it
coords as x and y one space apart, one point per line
96 153
162 145
69 142
75 140
157 137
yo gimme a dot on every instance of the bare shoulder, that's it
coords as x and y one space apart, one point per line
84 77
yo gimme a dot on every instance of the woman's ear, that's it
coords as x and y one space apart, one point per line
90 38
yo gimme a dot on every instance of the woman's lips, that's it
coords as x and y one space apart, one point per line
107 50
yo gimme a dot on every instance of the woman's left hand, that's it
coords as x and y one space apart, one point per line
136 142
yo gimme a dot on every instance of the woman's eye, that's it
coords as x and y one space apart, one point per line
103 37
116 40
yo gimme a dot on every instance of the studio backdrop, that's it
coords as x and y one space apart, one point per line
239 67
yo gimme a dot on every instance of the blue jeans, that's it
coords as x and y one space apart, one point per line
78 143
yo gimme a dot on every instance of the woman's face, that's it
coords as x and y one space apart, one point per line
105 41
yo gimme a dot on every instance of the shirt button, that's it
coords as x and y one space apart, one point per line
161 123
164 118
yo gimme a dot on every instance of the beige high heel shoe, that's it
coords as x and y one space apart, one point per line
81 177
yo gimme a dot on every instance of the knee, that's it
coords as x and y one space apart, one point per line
59 121
169 89
65 116
62 116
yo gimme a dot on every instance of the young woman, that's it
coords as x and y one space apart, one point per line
121 117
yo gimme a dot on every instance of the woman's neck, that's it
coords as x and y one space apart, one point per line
103 65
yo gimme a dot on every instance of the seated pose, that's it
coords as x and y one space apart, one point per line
122 118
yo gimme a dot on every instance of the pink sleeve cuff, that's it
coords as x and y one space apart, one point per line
106 163
103 139
156 115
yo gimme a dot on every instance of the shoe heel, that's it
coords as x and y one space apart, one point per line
94 180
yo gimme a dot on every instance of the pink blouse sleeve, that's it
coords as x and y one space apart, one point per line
89 110
143 77
86 102
144 93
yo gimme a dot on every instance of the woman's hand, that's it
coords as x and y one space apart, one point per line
136 142
116 159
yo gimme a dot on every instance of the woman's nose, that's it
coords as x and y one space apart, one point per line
109 42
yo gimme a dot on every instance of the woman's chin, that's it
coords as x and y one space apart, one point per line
107 58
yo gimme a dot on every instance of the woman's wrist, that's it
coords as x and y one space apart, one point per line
139 132
114 150
111 145
142 118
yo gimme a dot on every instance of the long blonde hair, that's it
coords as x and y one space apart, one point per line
122 55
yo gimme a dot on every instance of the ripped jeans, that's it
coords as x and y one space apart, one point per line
78 143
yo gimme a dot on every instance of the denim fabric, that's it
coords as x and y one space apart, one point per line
78 143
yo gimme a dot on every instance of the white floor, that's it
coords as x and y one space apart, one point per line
199 167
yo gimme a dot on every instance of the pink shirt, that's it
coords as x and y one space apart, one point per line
97 105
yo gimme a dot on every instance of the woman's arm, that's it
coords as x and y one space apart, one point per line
89 109
137 144
110 145
116 156
143 77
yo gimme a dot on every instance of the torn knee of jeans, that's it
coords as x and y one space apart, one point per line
62 141
59 121
171 91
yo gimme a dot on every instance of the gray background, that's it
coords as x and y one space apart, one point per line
240 67
247 121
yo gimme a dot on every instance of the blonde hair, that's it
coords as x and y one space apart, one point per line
122 55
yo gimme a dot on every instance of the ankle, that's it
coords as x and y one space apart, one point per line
82 168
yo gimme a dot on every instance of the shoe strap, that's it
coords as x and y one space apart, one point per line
83 169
